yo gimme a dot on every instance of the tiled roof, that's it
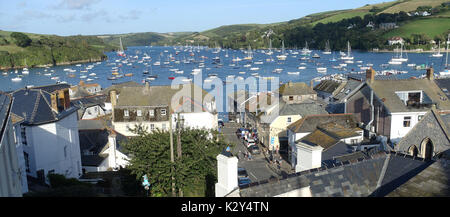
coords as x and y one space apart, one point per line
380 174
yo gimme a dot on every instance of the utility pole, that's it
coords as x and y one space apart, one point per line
171 151
179 145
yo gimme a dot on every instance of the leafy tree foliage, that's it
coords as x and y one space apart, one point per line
151 155
21 39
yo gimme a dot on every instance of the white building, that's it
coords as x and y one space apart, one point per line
396 40
49 131
10 177
393 107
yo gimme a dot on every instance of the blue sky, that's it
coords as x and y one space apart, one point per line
88 17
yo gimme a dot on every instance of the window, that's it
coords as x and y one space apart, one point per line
139 113
27 161
126 113
291 98
23 135
152 113
163 112
289 119
407 121
152 126
164 126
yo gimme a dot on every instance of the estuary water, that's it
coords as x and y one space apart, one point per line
140 63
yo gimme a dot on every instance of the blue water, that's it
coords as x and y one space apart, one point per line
36 76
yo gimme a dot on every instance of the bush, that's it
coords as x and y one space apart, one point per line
21 39
57 181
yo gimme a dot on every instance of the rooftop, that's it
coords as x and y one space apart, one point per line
376 175
309 123
5 105
386 90
295 88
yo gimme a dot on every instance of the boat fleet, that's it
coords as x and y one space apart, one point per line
171 59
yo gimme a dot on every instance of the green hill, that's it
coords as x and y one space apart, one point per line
44 50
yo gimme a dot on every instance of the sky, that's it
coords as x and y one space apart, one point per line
95 17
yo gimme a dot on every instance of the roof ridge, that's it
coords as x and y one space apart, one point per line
36 105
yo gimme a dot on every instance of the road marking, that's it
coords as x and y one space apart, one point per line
256 179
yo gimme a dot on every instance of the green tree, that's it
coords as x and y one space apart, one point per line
150 154
21 39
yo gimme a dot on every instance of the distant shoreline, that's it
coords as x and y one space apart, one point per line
52 65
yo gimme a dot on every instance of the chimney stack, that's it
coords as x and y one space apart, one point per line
370 75
227 177
112 150
430 73
113 98
311 83
147 86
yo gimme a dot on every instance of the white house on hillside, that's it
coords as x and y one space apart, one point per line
49 131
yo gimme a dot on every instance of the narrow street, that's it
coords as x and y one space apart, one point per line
257 168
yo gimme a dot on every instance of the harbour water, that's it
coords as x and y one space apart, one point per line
174 63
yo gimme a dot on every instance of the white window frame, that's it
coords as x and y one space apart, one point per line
152 113
163 112
139 113
126 113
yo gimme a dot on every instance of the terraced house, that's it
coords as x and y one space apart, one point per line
151 107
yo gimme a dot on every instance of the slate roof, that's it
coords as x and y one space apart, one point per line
309 123
362 77
329 86
349 86
430 182
377 176
385 90
5 107
93 141
446 119
52 88
295 88
444 84
34 106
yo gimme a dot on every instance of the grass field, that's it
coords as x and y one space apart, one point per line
341 16
429 26
411 5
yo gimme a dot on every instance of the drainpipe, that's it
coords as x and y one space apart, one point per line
371 112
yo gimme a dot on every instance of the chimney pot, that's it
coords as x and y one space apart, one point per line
370 75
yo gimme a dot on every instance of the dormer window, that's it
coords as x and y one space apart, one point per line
152 112
411 98
163 112
139 113
291 98
126 113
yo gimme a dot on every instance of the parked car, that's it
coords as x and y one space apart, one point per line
254 149
242 172
244 181
249 142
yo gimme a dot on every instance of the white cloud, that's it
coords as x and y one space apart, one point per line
76 4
